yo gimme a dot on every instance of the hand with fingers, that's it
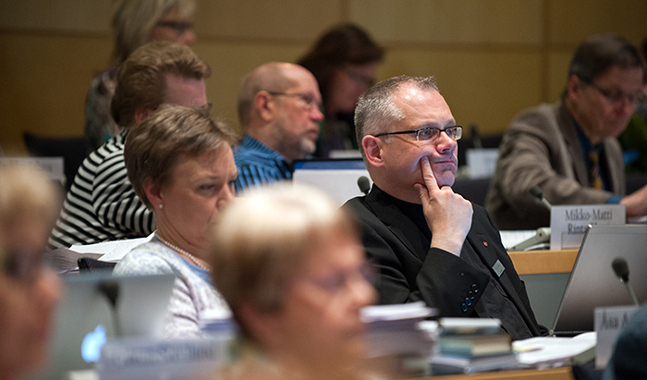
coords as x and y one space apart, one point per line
448 215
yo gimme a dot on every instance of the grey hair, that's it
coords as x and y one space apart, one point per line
376 112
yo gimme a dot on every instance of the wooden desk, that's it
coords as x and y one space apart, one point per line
542 262
562 373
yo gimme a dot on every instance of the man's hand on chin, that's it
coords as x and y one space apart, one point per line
448 215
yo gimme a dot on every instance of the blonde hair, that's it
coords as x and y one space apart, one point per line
133 21
26 193
261 240
154 146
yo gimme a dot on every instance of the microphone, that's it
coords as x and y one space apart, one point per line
110 289
621 269
364 184
535 191
476 137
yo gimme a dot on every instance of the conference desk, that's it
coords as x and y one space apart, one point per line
545 274
562 373
543 262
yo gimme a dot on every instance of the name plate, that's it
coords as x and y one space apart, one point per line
568 223
609 321
151 359
482 162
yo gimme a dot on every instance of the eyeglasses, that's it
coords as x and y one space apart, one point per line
23 267
430 134
338 281
618 97
179 26
309 99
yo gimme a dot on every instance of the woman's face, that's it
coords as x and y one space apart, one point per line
172 28
347 84
320 320
28 295
198 189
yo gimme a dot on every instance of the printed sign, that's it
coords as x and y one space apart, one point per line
568 223
609 321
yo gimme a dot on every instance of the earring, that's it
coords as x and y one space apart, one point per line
160 206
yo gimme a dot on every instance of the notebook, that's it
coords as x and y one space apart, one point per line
84 317
593 283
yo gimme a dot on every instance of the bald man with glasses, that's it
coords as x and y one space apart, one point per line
428 242
279 108
569 148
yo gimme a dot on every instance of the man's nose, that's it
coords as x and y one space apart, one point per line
445 144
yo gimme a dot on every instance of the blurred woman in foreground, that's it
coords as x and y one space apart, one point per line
181 165
28 291
292 269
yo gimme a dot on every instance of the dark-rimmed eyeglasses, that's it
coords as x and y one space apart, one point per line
179 26
429 133
309 99
616 97
21 266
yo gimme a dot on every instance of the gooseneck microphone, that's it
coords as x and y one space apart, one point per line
364 184
535 191
621 269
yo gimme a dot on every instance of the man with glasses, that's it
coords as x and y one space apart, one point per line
279 112
428 242
569 148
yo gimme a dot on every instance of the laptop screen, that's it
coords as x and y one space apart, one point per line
593 283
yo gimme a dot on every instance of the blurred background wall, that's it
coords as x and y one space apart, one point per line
491 58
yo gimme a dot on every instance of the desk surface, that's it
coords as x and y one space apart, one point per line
541 262
562 373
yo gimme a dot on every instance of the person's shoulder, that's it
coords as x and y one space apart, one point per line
148 258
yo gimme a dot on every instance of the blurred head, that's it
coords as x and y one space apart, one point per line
291 266
136 22
406 104
278 104
157 73
28 292
180 163
605 82
344 61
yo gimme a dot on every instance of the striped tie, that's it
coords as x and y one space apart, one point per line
594 170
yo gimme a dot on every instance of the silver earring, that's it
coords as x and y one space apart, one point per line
160 206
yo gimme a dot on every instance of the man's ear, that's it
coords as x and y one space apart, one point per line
153 192
373 150
573 87
141 113
264 105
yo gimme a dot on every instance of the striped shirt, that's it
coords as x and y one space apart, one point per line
101 204
257 164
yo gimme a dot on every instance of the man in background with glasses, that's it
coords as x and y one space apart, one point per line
569 148
279 109
428 242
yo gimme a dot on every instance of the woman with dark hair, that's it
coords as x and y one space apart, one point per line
344 61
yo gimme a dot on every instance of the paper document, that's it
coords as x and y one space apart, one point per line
512 238
113 251
539 350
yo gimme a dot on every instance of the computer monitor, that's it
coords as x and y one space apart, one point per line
593 283
85 318
335 177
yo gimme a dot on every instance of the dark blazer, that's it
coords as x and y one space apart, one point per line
410 271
